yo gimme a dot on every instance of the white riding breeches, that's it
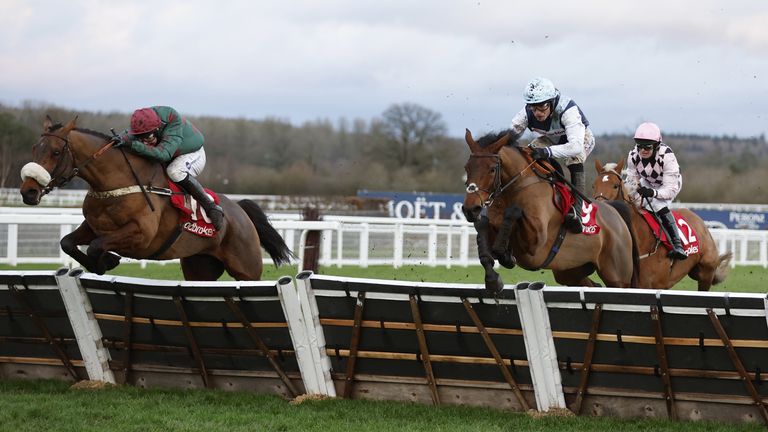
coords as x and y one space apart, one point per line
186 164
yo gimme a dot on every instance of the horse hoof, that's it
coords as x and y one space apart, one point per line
507 261
494 286
109 261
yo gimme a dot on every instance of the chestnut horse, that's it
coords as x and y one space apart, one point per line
511 204
656 270
124 216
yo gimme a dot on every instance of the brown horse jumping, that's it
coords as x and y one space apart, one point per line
518 223
656 270
122 217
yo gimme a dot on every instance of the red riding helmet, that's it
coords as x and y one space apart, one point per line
144 120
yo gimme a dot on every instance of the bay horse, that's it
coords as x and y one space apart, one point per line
512 207
124 216
706 266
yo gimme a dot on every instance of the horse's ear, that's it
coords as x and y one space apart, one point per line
620 165
473 147
47 123
495 147
70 125
598 166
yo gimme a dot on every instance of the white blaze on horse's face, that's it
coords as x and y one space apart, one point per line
605 178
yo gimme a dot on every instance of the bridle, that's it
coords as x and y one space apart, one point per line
59 180
498 188
621 188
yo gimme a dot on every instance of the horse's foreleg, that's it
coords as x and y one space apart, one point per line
501 248
83 235
128 237
493 282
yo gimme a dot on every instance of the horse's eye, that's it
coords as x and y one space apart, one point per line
615 186
56 152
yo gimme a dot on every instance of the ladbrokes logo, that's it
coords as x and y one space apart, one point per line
692 250
197 229
589 229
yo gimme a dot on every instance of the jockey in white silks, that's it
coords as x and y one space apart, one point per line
564 133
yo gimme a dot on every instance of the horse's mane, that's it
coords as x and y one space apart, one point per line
492 137
85 131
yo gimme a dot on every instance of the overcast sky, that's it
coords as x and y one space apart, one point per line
692 66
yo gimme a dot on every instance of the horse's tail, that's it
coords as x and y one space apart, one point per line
626 214
268 236
723 267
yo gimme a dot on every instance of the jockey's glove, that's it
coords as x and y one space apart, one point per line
120 142
646 192
540 153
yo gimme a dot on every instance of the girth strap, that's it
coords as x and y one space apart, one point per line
168 243
555 248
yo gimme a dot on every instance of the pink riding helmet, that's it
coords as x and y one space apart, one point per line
648 131
144 120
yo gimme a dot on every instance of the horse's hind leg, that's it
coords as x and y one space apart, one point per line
703 275
201 268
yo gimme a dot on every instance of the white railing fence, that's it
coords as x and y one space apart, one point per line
32 236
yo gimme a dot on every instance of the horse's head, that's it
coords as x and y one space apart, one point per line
52 160
484 172
609 184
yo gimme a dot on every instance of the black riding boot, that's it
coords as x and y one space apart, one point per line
573 218
577 176
213 210
668 220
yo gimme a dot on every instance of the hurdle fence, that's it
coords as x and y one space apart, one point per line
597 352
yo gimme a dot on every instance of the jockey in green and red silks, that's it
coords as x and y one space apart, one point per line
161 134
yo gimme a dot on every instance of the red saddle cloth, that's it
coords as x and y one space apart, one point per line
588 210
687 235
192 217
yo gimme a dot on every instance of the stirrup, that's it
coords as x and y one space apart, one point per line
676 254
216 215
572 222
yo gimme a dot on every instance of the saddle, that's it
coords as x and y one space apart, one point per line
563 199
192 216
687 235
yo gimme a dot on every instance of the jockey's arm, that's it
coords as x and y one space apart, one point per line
671 179
574 132
519 123
169 142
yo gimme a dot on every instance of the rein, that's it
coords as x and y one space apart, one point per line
498 188
632 206
61 180
621 189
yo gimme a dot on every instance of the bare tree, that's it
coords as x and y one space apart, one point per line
410 130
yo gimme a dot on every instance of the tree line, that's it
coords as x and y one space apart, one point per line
406 148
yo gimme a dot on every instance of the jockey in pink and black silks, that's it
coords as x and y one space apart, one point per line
562 128
161 134
652 165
